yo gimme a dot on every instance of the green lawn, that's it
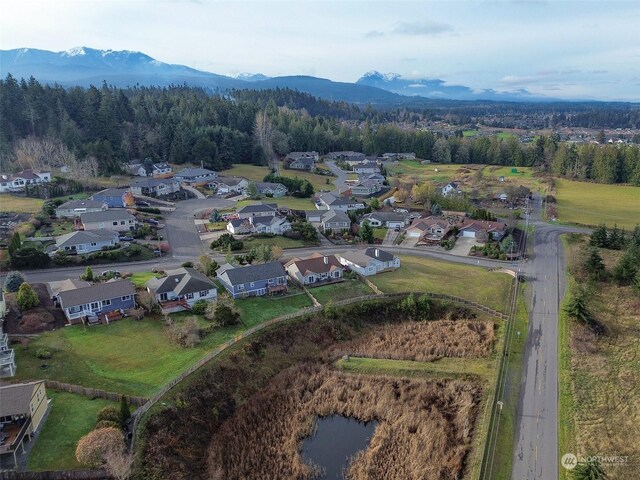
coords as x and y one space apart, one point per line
379 233
595 203
444 367
128 356
11 203
139 279
257 174
71 417
256 310
429 275
75 196
340 291
469 133
278 240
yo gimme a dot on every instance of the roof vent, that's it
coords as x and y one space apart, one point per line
376 253
177 280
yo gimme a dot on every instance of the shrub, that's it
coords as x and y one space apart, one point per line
43 354
29 257
187 265
13 281
199 307
93 447
88 275
226 241
110 414
27 297
125 412
223 311
107 424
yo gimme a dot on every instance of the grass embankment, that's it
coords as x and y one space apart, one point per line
594 203
429 275
599 408
340 291
139 279
71 417
259 309
443 367
11 203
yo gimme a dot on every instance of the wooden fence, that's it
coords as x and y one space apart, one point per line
94 392
56 475
137 415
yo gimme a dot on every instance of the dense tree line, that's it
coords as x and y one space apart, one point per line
106 127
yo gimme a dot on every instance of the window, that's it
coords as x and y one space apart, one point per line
163 297
122 222
95 306
106 302
189 296
241 286
115 223
93 244
72 310
204 293
252 284
271 281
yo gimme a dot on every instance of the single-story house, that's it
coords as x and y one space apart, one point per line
314 216
253 280
117 220
161 169
376 177
365 188
113 197
369 261
155 187
22 410
275 225
96 301
74 208
147 169
482 230
335 220
315 269
258 210
16 182
366 167
226 185
431 228
86 241
180 289
295 155
328 201
269 188
302 163
190 176
450 188
385 219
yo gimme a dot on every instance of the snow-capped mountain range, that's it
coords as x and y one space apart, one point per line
87 66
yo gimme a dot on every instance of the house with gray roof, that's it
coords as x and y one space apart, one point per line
366 167
270 188
116 220
85 241
155 187
302 163
113 197
96 302
180 289
253 280
335 220
366 188
385 219
328 201
195 175
224 185
369 261
74 208
376 177
258 210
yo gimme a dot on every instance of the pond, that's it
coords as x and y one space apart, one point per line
335 440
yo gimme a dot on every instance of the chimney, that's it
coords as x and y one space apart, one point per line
376 252
326 260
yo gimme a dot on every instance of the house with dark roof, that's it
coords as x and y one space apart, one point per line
155 187
369 261
224 185
317 269
180 289
296 155
253 280
450 188
258 210
85 241
23 407
113 197
73 208
346 156
482 230
116 220
304 164
17 182
274 225
430 229
198 175
97 302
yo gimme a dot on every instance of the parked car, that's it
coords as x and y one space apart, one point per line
142 203
150 221
110 273
397 229
125 238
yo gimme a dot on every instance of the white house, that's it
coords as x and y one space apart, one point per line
366 167
16 182
116 220
328 201
85 241
450 188
365 188
224 185
370 261
258 210
74 208
385 219
274 225
315 269
180 289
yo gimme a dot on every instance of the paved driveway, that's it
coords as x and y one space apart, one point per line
463 246
340 181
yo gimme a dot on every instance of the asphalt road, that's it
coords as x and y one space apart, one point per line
341 175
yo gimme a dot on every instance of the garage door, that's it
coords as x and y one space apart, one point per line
468 233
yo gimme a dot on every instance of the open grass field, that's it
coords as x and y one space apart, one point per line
258 309
71 417
251 172
340 291
128 356
429 275
11 203
257 174
594 203
444 367
469 133
262 438
600 375
139 279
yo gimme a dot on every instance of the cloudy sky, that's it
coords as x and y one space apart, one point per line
565 49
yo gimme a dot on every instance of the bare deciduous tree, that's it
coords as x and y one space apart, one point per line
263 133
118 464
